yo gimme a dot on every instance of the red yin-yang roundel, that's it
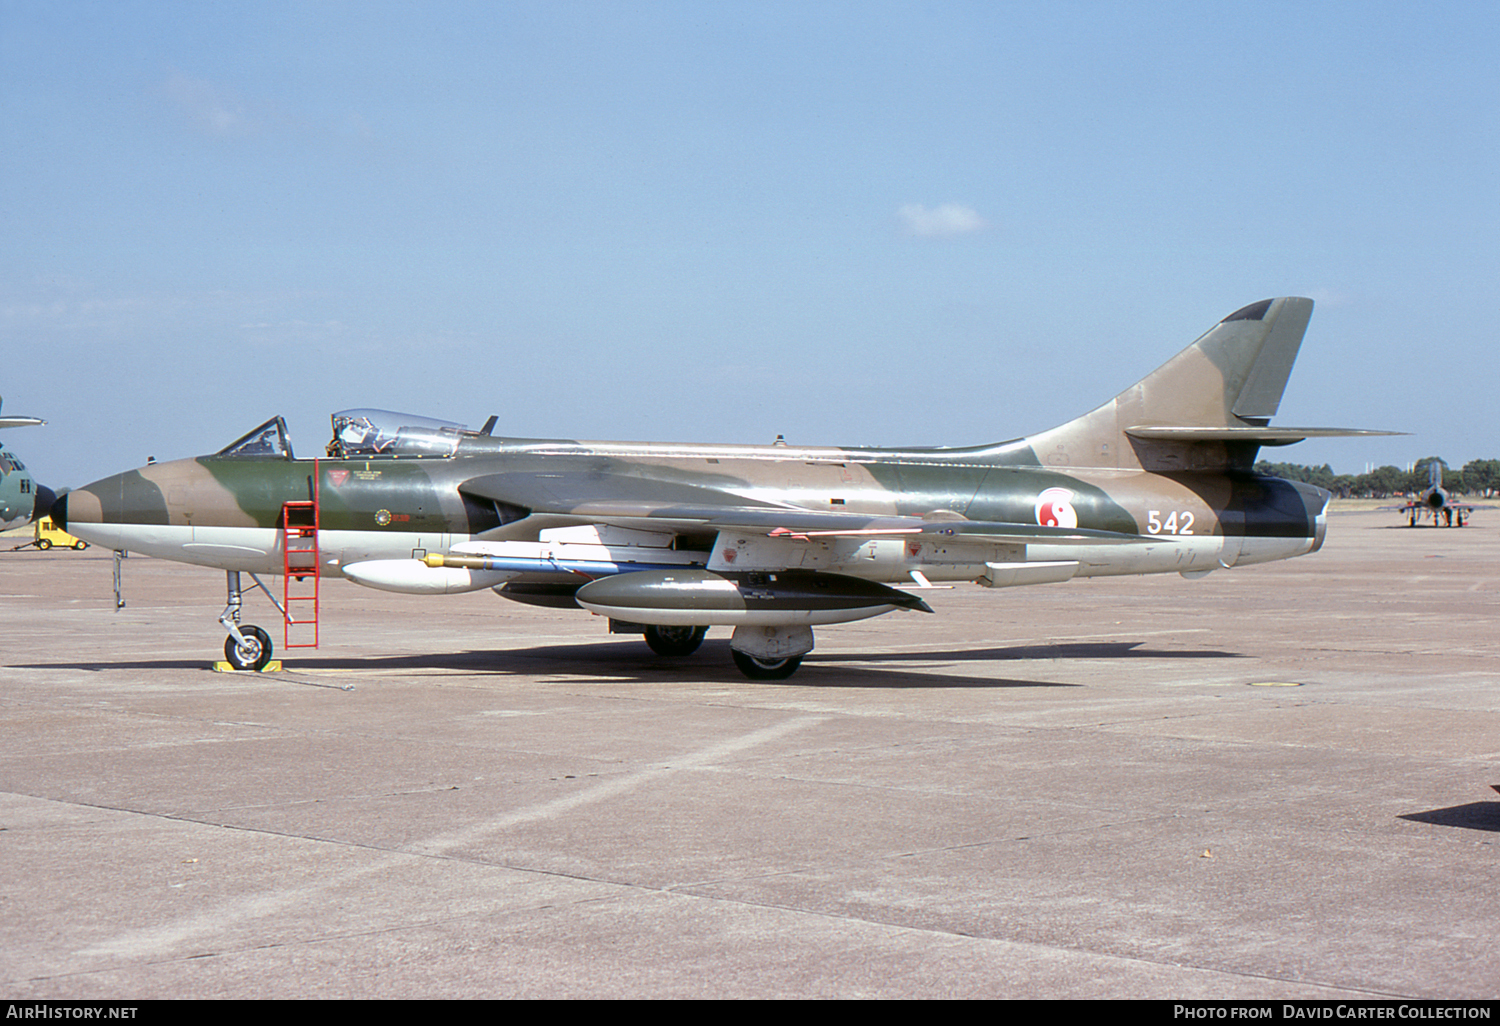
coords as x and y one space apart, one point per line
1054 508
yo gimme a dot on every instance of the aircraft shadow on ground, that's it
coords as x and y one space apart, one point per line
711 663
1473 816
1066 650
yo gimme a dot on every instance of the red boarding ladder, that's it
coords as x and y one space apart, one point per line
299 553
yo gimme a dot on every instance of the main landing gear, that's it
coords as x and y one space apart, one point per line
760 653
765 669
770 652
675 641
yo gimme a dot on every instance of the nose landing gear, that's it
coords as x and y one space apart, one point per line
247 647
251 653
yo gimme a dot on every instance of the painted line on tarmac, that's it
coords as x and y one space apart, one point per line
163 940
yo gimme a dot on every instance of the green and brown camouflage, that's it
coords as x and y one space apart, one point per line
1158 479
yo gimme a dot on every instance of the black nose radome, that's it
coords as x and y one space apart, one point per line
46 498
57 507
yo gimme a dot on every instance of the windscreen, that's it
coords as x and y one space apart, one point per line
267 440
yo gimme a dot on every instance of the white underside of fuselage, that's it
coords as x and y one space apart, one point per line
257 549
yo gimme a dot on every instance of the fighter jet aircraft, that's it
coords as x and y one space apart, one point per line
21 498
668 540
1436 503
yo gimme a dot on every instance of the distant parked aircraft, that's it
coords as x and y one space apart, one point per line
1436 503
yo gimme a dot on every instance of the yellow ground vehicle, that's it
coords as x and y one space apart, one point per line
49 534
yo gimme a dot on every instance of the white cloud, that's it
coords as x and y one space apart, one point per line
942 221
204 104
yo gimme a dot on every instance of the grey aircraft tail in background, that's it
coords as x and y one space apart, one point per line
667 540
21 498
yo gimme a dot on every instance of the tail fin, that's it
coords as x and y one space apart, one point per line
1207 408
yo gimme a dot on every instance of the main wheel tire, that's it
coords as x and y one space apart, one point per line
765 669
675 641
254 655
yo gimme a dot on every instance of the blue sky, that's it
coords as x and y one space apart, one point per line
848 223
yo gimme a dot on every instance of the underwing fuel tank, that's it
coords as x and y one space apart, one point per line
701 598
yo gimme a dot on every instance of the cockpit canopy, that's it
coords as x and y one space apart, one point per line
362 433
357 434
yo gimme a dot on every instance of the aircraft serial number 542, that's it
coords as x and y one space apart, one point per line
1176 522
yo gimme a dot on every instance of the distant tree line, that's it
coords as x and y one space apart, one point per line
1478 477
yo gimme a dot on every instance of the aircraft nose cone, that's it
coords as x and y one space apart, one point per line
79 506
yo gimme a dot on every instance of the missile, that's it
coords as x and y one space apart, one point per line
687 597
414 577
536 564
453 573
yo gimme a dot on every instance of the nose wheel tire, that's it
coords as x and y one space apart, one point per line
675 641
765 669
253 655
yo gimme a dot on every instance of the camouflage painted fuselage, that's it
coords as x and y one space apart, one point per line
226 511
670 539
